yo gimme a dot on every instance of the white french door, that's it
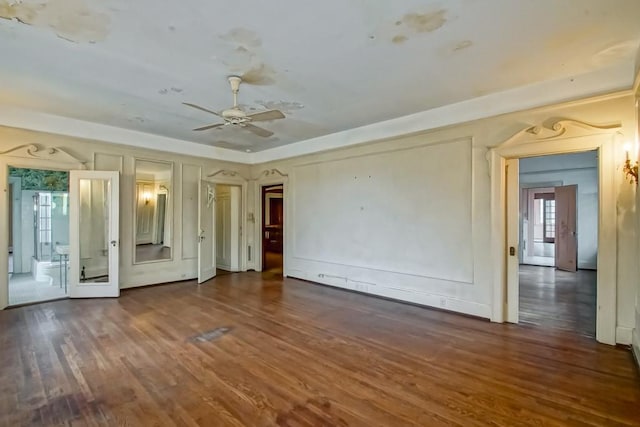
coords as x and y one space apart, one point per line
93 234
513 238
206 231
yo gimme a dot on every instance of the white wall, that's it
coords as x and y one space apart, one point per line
580 169
410 217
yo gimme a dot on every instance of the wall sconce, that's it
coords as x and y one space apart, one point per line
630 170
146 196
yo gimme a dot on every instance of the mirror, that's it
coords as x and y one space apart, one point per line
94 231
153 217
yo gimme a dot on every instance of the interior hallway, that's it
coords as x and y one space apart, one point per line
558 299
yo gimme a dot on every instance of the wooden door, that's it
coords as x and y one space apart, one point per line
566 239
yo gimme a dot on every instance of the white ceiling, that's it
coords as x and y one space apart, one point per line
330 66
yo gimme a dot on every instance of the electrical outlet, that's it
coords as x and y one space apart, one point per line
321 275
443 302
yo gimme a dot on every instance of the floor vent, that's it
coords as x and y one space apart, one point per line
211 335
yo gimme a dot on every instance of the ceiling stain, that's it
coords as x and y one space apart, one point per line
165 91
242 37
71 20
260 74
399 39
400 30
284 106
462 45
615 52
244 59
424 22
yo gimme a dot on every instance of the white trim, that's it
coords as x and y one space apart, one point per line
536 145
581 89
169 209
16 216
238 181
400 294
269 178
49 123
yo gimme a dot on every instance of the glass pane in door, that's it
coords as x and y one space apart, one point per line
94 230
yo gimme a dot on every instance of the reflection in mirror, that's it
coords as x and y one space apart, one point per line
153 217
94 230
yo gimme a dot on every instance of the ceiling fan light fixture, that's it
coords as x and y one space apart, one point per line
235 81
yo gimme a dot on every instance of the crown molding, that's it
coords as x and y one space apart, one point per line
48 123
614 81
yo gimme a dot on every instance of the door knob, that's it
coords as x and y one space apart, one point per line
512 251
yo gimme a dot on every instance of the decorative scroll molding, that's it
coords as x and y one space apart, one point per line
227 173
223 172
33 151
564 128
272 172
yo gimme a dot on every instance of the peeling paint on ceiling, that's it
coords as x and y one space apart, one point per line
462 45
71 20
423 22
336 64
286 107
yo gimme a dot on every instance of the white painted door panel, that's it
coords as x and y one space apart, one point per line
513 237
206 231
93 254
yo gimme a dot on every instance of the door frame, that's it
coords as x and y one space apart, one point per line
282 179
265 208
16 217
237 181
567 136
31 156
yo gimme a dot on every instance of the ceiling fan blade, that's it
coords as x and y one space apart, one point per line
217 125
258 131
201 108
264 116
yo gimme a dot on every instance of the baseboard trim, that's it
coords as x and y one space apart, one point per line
441 302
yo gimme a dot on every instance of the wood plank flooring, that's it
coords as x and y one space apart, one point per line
555 299
297 354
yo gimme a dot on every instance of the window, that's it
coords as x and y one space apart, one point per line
545 214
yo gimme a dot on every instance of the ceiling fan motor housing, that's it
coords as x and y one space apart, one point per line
235 116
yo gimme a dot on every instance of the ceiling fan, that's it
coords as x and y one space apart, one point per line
235 116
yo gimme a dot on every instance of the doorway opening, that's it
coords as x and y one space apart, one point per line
38 235
228 228
559 241
272 229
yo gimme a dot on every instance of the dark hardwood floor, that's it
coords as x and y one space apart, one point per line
556 299
297 354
